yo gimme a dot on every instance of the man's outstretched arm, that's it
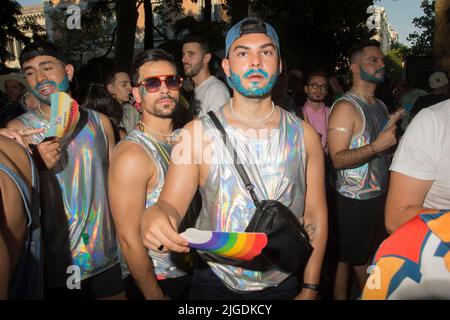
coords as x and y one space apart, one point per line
159 226
315 216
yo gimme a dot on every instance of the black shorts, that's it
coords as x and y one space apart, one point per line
174 288
103 285
207 286
360 228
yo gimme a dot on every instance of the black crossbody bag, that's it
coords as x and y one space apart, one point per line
288 248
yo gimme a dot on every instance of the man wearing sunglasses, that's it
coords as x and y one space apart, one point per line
137 175
210 93
276 148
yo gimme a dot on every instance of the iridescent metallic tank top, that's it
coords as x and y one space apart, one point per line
166 265
369 180
27 281
276 167
76 221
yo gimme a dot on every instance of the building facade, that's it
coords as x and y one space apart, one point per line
29 13
385 33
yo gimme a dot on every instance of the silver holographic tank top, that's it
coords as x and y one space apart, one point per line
369 180
276 167
167 265
77 225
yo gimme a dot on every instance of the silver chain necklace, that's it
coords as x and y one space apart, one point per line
170 137
265 119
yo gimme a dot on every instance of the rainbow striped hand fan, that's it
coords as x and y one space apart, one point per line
237 245
64 114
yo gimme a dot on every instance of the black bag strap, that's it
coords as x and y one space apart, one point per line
237 164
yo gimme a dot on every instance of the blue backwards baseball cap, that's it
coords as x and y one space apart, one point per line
248 26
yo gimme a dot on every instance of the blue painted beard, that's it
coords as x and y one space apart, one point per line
254 91
61 87
372 77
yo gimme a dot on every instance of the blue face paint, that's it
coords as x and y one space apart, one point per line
64 85
61 87
254 91
142 91
257 71
372 78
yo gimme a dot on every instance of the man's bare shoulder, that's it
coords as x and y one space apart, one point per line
106 122
193 125
308 129
131 157
311 137
15 124
343 107
14 156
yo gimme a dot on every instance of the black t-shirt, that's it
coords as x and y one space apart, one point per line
426 101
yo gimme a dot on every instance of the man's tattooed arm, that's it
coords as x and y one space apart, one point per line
311 229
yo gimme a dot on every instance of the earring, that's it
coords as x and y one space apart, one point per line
138 106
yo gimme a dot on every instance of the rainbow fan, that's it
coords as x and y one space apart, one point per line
64 114
237 245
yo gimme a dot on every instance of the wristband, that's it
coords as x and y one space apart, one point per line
313 287
373 149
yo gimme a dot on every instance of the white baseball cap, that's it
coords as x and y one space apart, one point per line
12 76
438 79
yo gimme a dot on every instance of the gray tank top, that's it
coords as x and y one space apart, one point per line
369 180
276 167
166 265
27 281
76 221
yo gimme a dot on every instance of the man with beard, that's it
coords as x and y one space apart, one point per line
210 93
314 110
137 175
357 146
80 248
281 154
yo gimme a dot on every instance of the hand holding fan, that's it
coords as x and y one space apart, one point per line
237 245
64 115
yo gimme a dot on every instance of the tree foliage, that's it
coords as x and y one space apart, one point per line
394 61
10 10
93 37
422 42
316 34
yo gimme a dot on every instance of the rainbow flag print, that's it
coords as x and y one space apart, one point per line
64 114
238 245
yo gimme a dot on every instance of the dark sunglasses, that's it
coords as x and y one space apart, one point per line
152 84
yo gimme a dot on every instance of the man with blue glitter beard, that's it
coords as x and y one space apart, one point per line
358 138
282 156
80 248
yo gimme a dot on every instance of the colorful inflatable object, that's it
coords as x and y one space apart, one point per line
414 262
64 114
237 245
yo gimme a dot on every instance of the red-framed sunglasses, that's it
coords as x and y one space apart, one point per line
152 84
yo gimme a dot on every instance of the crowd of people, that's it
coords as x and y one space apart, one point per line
97 213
